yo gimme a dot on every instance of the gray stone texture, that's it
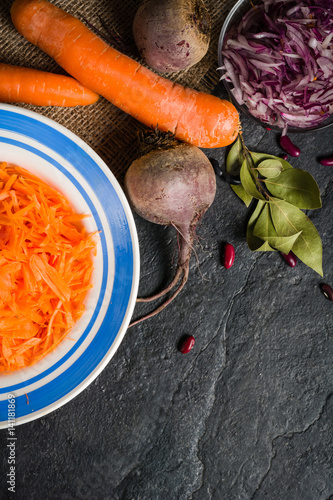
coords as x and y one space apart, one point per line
246 415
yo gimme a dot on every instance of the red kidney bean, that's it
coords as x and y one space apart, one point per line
290 258
268 128
327 291
229 255
284 157
289 146
187 344
327 162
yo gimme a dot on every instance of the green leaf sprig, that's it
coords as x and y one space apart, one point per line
279 193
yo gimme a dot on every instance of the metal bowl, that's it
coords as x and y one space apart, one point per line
234 17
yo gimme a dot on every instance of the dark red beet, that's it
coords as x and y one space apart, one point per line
172 35
172 186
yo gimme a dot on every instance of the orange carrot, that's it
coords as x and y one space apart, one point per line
194 117
41 88
45 267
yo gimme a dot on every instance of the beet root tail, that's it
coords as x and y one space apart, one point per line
184 253
166 290
185 240
184 272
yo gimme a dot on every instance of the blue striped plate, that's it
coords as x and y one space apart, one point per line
59 157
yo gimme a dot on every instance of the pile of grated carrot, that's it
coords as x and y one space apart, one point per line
46 263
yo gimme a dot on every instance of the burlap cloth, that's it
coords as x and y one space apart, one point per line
108 130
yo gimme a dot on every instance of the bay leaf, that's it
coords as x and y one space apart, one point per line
265 247
248 182
241 193
265 230
289 220
235 158
283 243
297 187
270 168
259 157
255 244
264 226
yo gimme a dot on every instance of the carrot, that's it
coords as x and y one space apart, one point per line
41 88
195 117
45 267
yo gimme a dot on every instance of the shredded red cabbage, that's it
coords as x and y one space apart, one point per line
279 60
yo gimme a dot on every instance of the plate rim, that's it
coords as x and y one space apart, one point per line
134 241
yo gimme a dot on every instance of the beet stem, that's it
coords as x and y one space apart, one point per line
185 271
185 241
185 248
167 289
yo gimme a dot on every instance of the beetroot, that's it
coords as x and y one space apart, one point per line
172 185
172 35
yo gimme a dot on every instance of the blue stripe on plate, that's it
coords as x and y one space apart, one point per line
115 214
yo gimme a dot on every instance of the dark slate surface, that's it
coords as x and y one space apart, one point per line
246 415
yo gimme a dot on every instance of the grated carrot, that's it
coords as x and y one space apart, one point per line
45 267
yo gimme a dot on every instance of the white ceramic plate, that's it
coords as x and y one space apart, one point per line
59 157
